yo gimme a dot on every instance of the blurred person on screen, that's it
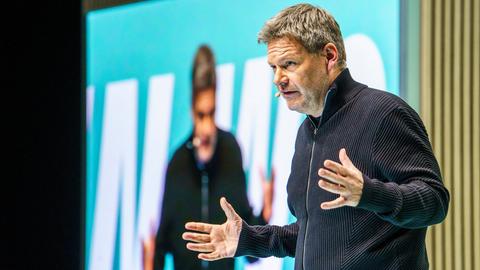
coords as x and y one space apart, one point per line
207 166
364 182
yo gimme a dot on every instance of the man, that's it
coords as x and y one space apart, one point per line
364 183
203 169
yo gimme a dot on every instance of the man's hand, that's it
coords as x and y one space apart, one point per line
345 180
214 241
148 248
268 190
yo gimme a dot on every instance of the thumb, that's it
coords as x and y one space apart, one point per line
345 159
228 209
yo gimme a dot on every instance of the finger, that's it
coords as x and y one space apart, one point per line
333 177
200 247
196 237
199 227
228 209
345 159
272 175
333 188
336 167
262 174
209 256
338 202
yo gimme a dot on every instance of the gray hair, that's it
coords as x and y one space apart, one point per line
312 26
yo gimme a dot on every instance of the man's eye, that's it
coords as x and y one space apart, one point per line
273 68
289 63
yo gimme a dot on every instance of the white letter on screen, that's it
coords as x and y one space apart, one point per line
117 176
90 103
224 96
254 125
365 61
155 155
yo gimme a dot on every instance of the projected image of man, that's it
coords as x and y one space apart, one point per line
206 167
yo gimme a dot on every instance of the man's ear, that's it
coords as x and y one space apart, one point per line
331 53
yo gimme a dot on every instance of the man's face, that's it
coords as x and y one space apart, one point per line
205 131
301 77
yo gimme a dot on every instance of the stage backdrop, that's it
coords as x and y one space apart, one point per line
139 59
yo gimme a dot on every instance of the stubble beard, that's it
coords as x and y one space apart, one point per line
314 103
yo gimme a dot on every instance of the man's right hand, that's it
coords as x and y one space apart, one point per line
214 241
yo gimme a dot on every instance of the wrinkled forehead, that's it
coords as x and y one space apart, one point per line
284 47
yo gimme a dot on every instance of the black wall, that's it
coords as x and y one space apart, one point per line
44 62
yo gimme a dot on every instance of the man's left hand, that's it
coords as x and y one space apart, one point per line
343 179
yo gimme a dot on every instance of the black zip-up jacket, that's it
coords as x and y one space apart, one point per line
193 192
402 193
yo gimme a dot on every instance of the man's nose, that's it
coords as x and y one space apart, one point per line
280 80
208 124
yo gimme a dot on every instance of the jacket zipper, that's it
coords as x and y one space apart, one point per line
205 204
308 188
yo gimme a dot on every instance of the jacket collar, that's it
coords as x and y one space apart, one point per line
342 90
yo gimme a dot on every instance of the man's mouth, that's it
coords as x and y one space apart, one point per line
201 142
205 142
290 94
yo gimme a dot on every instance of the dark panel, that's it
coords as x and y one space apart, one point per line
45 51
89 5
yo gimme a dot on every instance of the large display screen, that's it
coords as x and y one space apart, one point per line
138 70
